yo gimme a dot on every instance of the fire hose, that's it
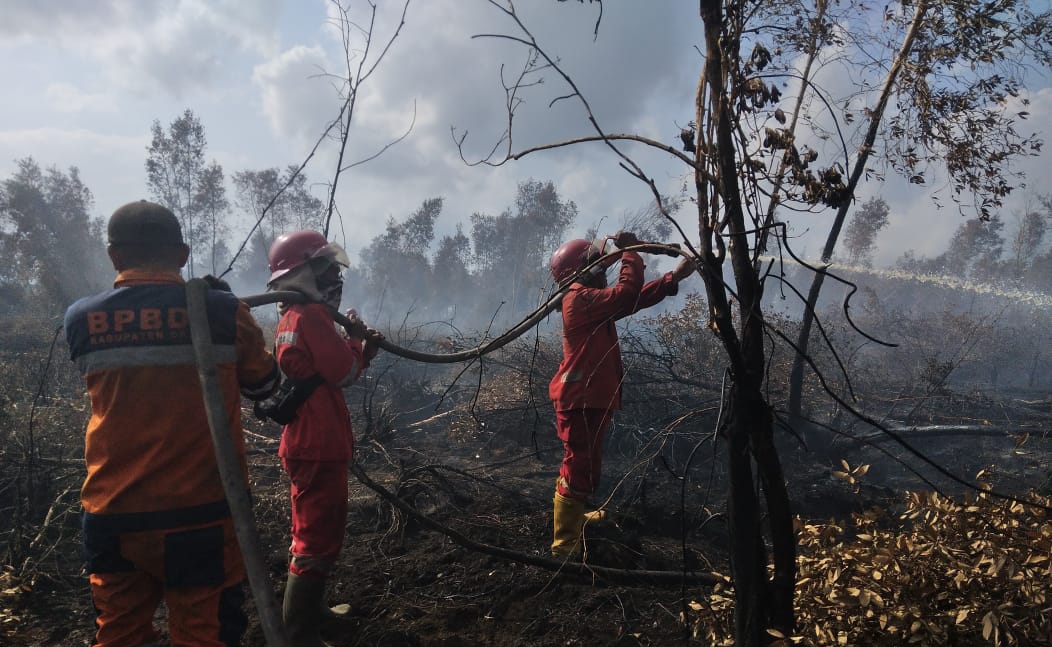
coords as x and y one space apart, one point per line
230 472
487 347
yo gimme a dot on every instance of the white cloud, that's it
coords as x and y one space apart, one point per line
55 20
65 97
176 47
250 71
455 80
297 100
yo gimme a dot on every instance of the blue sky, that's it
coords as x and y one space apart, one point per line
85 80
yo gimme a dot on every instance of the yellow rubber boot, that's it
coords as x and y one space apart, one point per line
569 522
595 516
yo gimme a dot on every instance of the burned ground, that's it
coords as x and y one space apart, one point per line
479 457
410 585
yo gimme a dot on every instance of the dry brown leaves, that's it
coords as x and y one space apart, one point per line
941 573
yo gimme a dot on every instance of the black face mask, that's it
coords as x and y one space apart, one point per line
597 280
330 284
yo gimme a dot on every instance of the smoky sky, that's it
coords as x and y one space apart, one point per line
88 79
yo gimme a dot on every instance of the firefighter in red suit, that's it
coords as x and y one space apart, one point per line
317 446
587 387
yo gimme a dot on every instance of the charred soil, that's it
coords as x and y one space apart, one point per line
411 585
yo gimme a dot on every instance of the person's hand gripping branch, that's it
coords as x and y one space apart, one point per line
684 269
623 239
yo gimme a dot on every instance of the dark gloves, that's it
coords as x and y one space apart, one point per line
372 344
357 327
625 239
216 283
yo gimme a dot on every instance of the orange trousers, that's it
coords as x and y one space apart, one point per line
196 570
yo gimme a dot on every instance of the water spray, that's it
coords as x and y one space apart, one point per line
1025 297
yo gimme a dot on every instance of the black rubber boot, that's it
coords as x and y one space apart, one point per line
302 610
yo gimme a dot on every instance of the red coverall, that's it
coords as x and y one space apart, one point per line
155 521
587 387
317 445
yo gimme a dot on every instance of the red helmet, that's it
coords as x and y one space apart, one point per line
571 257
293 249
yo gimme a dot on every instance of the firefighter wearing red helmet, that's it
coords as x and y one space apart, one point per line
587 387
317 445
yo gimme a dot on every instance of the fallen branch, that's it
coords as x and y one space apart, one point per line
623 575
53 513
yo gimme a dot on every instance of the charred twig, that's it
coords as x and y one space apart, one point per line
54 512
627 576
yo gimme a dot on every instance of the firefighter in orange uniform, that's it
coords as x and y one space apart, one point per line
156 524
587 387
318 444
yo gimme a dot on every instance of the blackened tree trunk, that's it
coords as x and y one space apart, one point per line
760 603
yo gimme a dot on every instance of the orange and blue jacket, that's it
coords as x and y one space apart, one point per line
591 372
149 453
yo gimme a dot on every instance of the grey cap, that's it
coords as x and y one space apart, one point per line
144 223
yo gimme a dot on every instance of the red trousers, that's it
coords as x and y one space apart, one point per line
197 571
582 432
319 514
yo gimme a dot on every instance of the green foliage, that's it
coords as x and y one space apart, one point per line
512 249
294 209
451 263
981 250
214 207
502 265
1028 241
861 233
179 178
395 263
259 196
53 249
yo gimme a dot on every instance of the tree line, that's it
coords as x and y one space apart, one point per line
488 266
980 249
985 252
55 243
